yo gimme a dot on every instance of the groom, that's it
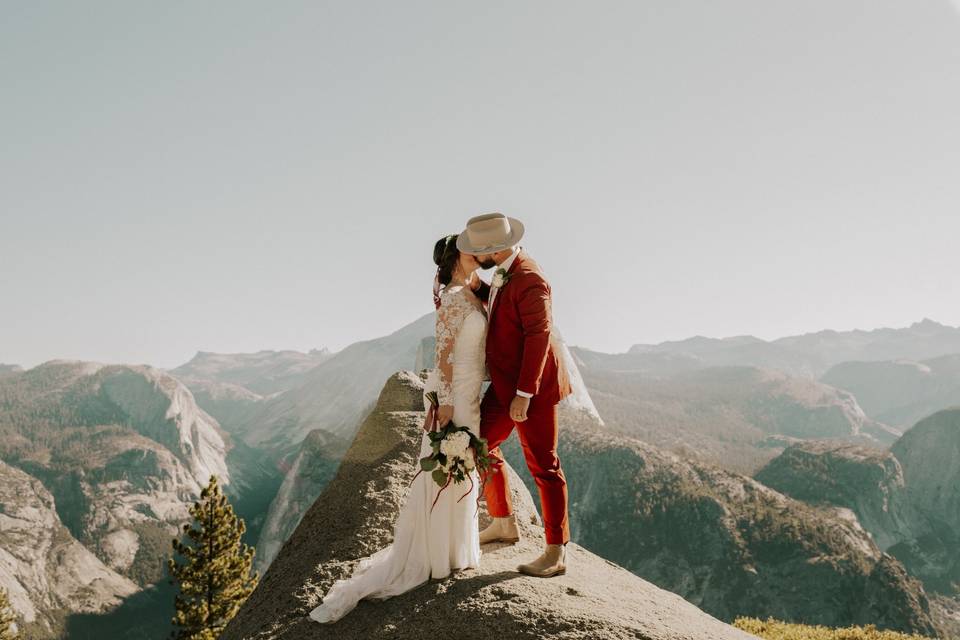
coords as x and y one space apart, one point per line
528 380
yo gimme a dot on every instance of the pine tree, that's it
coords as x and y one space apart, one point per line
214 577
8 619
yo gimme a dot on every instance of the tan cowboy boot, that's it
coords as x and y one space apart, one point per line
553 562
501 530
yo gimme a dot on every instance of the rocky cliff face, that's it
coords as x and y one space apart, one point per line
47 572
354 517
868 482
229 403
311 470
930 456
161 408
121 452
908 498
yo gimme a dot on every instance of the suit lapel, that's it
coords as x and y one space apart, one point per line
510 271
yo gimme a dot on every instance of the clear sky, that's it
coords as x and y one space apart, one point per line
235 176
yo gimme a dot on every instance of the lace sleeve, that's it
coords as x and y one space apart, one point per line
454 308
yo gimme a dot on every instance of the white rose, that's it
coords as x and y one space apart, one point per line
446 448
462 439
455 445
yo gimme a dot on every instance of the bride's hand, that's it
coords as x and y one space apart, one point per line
474 281
444 415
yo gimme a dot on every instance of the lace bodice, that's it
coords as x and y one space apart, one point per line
456 306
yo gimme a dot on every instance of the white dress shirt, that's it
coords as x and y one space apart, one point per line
505 265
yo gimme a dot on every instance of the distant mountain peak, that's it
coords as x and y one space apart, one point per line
927 323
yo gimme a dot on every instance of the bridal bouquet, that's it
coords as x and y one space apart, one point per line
456 451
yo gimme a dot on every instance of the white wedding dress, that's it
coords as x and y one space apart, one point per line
429 544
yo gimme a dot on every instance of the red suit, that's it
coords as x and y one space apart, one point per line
523 354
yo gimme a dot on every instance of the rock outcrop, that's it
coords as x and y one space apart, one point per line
124 451
907 498
161 408
311 466
354 517
868 482
46 571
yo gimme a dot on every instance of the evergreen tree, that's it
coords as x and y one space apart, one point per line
214 577
8 620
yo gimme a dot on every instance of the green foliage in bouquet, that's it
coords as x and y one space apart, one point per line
435 463
771 629
455 451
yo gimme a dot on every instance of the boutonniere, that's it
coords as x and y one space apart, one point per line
501 278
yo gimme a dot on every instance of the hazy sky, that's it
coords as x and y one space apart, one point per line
236 176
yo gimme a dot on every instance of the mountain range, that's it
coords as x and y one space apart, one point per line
809 354
668 434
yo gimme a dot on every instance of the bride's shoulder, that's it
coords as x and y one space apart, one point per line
454 294
459 296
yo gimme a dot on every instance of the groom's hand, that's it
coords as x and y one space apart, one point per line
518 409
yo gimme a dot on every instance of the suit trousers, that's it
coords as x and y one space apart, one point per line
538 438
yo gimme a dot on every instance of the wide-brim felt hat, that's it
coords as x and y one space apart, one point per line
489 233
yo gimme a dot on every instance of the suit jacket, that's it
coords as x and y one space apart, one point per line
523 352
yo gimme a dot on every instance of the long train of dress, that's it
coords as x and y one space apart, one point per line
427 543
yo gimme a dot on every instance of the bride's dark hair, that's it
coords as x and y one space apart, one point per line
445 256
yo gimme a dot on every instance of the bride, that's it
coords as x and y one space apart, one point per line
430 542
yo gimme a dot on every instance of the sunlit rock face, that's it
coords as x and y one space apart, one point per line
123 450
46 571
312 468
